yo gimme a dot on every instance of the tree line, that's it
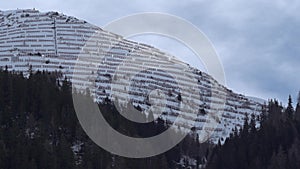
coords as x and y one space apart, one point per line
39 130
273 145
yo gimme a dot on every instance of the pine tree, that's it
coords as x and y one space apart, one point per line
245 130
279 160
294 155
253 124
297 112
290 110
298 98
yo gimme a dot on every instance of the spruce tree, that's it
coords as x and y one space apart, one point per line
290 110
297 112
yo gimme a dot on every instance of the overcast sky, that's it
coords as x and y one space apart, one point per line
257 42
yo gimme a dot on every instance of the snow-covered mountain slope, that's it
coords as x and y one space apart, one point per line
259 100
33 40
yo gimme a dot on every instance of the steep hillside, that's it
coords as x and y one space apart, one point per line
31 40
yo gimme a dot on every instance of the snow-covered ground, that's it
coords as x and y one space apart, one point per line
110 65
